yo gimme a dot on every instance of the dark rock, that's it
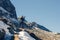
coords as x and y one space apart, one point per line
2 34
34 36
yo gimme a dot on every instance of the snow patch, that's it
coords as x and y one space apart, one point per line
25 36
4 26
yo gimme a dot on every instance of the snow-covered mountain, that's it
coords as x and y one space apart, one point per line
13 28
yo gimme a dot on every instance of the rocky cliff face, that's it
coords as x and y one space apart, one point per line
8 14
8 18
9 7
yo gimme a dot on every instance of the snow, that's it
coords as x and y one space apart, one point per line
22 35
25 36
4 26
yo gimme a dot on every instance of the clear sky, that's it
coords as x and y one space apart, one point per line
44 12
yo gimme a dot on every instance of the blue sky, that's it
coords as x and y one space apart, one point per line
44 12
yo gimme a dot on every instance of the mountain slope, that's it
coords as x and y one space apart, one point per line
26 24
39 31
25 36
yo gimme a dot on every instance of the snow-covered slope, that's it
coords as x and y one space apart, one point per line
4 26
22 35
10 24
25 36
